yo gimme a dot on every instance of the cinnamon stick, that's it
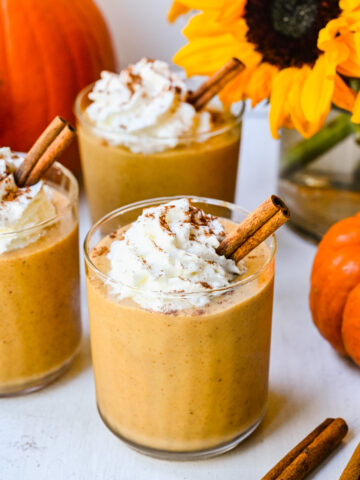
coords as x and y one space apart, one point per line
39 147
352 470
310 452
47 148
215 83
274 473
51 154
267 229
259 225
253 222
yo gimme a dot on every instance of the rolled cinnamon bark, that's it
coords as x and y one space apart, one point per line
248 227
274 473
267 229
39 147
215 83
259 225
50 155
352 470
313 453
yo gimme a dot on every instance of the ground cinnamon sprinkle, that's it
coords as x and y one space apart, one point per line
11 195
163 223
97 251
117 234
157 246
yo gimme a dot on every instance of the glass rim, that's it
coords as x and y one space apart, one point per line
158 201
44 223
228 125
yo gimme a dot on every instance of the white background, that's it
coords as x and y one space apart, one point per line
139 29
57 434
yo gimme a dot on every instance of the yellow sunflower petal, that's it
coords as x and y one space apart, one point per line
204 5
237 89
344 96
239 30
176 9
203 25
294 100
314 127
339 39
234 90
207 24
179 7
203 56
307 129
279 114
330 40
319 87
260 83
351 66
232 10
356 110
356 43
349 4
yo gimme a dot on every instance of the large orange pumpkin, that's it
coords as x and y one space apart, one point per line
49 50
335 287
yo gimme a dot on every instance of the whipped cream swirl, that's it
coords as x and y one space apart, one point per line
143 108
170 249
20 207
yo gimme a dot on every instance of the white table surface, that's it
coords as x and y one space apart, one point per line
57 434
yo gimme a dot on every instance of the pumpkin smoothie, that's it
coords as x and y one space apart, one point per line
180 335
138 126
40 326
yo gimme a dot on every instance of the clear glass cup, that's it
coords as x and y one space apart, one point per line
189 384
203 165
40 328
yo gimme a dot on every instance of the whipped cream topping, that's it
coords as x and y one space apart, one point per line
20 207
143 108
170 249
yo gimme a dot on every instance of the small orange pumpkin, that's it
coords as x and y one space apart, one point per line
335 287
49 50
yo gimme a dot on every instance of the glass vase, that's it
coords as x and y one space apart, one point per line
319 177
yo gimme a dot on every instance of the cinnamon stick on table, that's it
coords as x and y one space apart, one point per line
259 225
310 452
352 470
47 148
215 83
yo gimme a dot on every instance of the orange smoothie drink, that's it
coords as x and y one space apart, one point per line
40 326
138 126
180 335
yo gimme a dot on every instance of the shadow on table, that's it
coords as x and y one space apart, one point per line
348 363
81 363
281 408
278 412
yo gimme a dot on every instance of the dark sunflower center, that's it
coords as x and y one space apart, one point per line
293 17
285 32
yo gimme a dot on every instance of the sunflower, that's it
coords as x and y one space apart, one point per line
302 55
